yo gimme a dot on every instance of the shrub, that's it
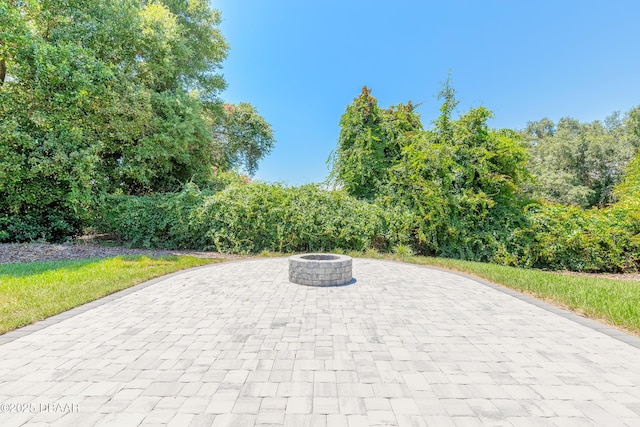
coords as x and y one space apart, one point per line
158 221
570 238
559 237
403 251
287 219
249 218
42 225
245 217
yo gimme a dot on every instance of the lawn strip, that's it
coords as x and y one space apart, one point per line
33 291
616 302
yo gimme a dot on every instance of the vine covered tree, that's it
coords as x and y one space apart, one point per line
370 143
463 181
460 180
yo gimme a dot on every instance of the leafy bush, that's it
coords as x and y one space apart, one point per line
158 221
249 218
559 237
260 216
52 226
403 251
570 238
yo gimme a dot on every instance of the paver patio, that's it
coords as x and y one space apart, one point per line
237 344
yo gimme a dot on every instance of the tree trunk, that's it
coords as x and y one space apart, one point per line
3 71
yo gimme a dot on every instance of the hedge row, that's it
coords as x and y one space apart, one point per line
249 218
560 237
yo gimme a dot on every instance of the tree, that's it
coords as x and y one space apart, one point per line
580 163
106 96
370 143
460 181
244 137
463 181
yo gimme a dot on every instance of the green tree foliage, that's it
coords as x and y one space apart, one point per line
370 143
629 187
566 237
461 179
102 96
454 190
470 177
628 194
12 31
580 163
244 137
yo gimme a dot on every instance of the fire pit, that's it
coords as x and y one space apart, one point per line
320 269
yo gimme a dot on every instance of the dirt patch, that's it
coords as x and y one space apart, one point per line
11 253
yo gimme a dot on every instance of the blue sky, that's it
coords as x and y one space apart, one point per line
301 62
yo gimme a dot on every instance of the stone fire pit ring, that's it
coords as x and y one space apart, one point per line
320 269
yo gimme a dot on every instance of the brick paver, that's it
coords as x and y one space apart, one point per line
238 344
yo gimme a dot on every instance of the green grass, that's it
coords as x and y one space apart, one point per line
616 302
33 291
